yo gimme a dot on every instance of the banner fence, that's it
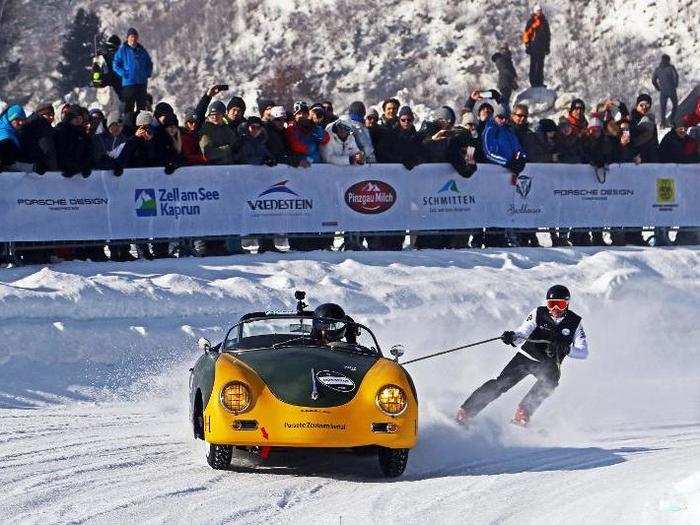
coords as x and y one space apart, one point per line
203 201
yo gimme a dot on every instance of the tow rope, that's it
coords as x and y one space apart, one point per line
471 345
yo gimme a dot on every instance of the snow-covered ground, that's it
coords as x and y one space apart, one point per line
93 387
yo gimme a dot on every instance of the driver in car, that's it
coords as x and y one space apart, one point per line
331 325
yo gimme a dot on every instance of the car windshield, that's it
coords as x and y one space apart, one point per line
275 332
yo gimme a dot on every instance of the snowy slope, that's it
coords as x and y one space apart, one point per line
425 51
619 441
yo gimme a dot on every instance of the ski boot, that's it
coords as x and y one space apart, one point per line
521 417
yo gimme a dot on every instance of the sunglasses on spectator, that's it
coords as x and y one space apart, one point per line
406 119
501 117
577 107
644 105
521 115
370 117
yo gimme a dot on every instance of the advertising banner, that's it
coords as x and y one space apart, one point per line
227 200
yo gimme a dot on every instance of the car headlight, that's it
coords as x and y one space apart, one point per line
236 397
392 400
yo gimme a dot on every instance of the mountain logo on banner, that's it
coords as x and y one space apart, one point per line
278 187
370 197
145 199
523 185
450 185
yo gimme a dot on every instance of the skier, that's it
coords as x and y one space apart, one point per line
563 331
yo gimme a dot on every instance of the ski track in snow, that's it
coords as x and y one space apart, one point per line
94 370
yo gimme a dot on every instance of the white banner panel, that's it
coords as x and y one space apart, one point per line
227 200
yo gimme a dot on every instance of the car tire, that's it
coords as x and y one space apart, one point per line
392 461
219 456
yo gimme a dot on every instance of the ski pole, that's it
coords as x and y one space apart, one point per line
450 350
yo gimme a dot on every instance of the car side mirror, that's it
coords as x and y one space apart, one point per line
203 344
397 351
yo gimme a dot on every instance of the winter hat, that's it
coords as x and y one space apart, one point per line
446 113
468 118
694 132
595 123
162 109
373 112
170 120
300 105
405 111
254 120
114 118
342 125
132 31
278 112
264 103
73 111
191 115
144 118
500 110
236 102
216 107
546 125
96 112
643 98
357 111
114 41
45 107
536 7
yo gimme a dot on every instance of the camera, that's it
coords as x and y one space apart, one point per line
222 87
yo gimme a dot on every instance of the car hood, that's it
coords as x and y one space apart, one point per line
288 371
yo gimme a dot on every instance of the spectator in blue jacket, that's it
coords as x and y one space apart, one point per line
11 120
501 145
133 64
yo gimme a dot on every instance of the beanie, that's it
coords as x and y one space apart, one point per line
45 107
405 111
446 113
132 31
191 115
300 105
546 125
162 109
264 103
144 118
278 112
113 118
595 123
500 110
170 120
236 102
643 98
357 111
254 120
468 118
372 112
216 107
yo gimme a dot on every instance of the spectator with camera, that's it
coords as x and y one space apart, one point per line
643 128
341 148
254 150
37 140
304 137
218 142
362 134
73 146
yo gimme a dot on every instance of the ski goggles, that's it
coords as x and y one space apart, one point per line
559 304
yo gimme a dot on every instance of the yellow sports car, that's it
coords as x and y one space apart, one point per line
305 379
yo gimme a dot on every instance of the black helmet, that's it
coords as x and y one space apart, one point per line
559 291
330 319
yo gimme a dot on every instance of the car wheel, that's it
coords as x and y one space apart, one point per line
219 456
198 419
393 461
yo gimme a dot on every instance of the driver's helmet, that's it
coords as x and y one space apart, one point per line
330 320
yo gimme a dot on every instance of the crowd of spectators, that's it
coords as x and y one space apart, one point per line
222 131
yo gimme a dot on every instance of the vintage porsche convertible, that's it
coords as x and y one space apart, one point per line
302 380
